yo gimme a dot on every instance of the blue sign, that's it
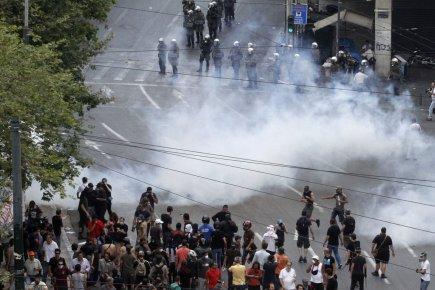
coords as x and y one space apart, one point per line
300 13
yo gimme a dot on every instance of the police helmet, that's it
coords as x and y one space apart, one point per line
364 62
314 45
290 46
340 52
207 36
297 55
197 8
174 40
192 254
334 59
190 12
250 44
276 55
205 219
216 40
236 43
395 60
250 50
160 39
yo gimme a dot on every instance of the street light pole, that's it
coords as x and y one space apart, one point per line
18 204
26 22
286 22
337 32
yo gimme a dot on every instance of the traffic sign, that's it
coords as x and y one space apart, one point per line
300 13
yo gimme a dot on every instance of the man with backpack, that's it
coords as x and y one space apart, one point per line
303 228
159 274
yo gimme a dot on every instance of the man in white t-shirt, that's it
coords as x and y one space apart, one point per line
270 238
261 256
431 91
82 186
424 270
85 266
287 277
48 248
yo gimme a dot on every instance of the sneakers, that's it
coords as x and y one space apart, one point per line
383 276
305 260
301 260
318 223
375 273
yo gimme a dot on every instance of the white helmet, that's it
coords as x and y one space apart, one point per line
250 44
216 40
160 39
197 8
364 62
276 55
174 40
340 52
290 46
236 43
190 12
334 59
250 50
207 36
297 55
214 3
314 45
395 60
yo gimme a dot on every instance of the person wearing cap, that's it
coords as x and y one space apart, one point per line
162 49
156 234
238 272
424 270
358 270
348 227
316 276
280 230
32 267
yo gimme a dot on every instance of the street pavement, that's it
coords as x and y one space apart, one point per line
142 96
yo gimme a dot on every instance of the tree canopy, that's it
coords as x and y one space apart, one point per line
36 88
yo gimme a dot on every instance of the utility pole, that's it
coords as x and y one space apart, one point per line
18 204
337 32
286 22
26 22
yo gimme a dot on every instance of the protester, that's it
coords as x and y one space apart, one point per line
358 270
382 244
254 275
424 270
287 277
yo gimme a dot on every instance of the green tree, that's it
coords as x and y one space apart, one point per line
35 86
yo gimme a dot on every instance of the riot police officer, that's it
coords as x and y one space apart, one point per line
229 11
315 53
189 26
162 52
220 11
173 56
395 75
341 60
251 68
212 20
276 67
188 5
236 57
217 56
199 21
206 47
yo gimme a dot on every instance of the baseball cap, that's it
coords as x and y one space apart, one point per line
315 257
159 221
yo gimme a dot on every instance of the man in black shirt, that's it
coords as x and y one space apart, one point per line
333 238
167 227
348 227
308 199
303 227
218 244
120 230
100 203
107 188
54 262
328 262
358 270
90 194
84 212
57 223
381 246
220 216
150 196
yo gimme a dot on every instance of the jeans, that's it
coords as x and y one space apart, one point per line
431 107
217 256
424 285
334 249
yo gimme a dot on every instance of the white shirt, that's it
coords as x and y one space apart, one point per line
317 277
261 257
289 278
270 238
49 250
84 264
425 265
360 78
78 281
81 188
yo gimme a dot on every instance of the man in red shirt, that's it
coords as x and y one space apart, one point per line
95 227
212 277
181 254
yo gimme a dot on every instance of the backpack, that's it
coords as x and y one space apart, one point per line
302 225
158 275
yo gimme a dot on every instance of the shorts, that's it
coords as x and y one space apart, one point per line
303 242
382 258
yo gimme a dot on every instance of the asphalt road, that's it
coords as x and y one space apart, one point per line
140 97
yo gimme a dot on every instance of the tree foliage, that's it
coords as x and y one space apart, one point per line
35 87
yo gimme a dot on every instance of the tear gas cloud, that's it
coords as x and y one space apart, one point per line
305 126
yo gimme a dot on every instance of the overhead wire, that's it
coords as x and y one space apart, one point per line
216 208
254 161
257 190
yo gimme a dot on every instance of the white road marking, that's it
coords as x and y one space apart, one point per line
258 236
123 72
141 76
114 132
179 95
319 208
372 262
96 147
100 74
295 237
410 250
144 92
